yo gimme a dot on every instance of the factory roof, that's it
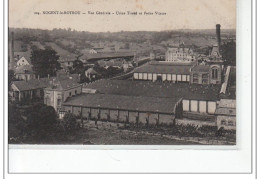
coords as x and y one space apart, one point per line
131 103
64 82
31 84
157 89
201 68
106 55
163 68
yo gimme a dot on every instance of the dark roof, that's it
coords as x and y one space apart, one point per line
62 83
201 68
134 103
32 84
157 89
172 68
106 55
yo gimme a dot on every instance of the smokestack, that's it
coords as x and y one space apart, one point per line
218 35
11 64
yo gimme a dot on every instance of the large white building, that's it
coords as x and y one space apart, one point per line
164 71
180 54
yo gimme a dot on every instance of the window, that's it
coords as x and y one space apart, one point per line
59 102
204 81
205 76
195 75
223 122
214 73
70 93
76 92
195 80
230 123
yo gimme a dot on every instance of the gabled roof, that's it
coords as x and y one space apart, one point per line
64 82
157 89
31 84
58 84
132 103
25 58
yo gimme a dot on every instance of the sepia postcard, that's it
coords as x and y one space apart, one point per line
128 86
132 72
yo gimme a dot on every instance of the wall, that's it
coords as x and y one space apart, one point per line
229 122
72 91
163 118
25 76
22 62
165 77
218 79
199 106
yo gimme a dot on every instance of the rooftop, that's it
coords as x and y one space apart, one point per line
156 89
201 68
166 67
106 55
63 83
132 103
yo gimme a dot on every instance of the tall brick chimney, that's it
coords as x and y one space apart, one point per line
218 35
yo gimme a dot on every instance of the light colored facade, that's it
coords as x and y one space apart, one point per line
59 91
180 54
200 106
226 114
206 74
23 61
164 71
24 72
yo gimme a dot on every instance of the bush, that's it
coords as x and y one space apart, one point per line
70 122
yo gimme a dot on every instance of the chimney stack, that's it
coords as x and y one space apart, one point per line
218 35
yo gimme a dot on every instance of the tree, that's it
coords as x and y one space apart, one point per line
70 122
41 122
78 66
16 124
229 53
45 62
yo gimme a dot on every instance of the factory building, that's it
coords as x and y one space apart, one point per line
164 71
180 53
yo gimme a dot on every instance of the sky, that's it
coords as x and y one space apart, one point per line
180 14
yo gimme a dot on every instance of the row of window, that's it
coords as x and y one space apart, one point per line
163 77
228 123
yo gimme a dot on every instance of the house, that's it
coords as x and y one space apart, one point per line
199 99
226 114
21 91
206 74
24 72
59 90
91 74
23 61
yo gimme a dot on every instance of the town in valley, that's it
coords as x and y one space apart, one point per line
122 88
